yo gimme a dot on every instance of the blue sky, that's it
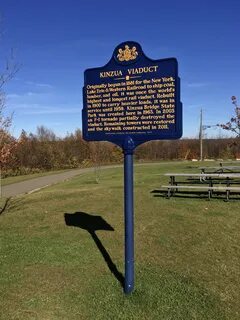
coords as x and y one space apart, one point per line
55 41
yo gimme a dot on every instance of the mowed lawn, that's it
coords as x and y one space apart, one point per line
187 252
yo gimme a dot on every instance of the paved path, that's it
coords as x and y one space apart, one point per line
31 185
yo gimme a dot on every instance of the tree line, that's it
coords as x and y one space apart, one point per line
45 151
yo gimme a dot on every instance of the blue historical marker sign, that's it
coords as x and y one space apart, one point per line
131 100
132 97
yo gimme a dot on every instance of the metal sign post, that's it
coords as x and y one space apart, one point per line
129 217
131 100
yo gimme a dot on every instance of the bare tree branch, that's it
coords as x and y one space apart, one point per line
234 124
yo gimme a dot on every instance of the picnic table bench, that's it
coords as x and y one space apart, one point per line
223 163
220 169
204 181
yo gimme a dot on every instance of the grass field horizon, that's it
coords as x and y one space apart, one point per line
187 253
25 177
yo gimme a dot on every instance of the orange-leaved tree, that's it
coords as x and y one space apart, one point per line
7 143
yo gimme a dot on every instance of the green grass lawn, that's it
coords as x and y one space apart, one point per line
187 252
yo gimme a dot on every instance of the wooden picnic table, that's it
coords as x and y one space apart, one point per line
207 180
203 176
223 163
221 169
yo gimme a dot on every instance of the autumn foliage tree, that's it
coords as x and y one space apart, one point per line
8 68
234 126
7 142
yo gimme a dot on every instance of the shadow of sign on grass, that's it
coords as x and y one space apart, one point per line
91 224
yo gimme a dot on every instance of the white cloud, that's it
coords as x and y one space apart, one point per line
34 103
13 95
30 94
197 84
37 84
194 106
26 94
41 110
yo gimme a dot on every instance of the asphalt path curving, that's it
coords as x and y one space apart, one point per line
35 184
